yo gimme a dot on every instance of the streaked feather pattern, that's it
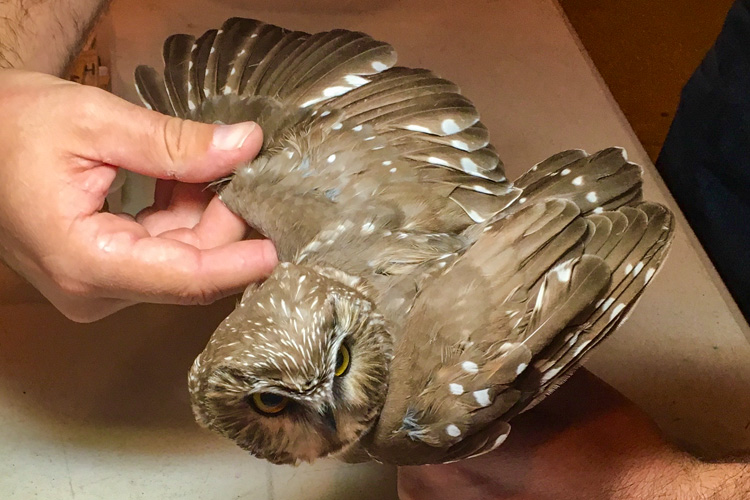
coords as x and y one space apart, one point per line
381 180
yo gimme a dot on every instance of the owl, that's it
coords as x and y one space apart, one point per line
422 300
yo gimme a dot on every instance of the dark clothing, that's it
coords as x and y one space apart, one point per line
705 160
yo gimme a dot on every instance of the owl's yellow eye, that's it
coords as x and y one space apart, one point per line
269 403
342 361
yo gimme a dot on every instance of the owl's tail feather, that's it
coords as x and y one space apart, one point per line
633 242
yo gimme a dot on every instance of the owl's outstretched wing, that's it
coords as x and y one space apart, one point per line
344 131
516 314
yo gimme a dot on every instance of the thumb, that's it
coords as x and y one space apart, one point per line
157 145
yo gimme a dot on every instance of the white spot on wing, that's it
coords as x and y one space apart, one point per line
356 80
550 374
470 367
521 368
418 128
500 440
459 145
483 397
475 216
564 171
336 90
438 161
379 66
650 274
453 431
450 126
580 348
563 273
481 189
591 197
577 181
618 308
638 269
331 158
468 166
456 389
312 101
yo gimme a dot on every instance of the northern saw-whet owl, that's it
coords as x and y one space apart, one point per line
422 300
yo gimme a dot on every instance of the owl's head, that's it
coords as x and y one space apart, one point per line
299 370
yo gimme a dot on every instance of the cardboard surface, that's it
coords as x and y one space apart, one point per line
101 411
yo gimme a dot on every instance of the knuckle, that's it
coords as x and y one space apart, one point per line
202 295
74 288
175 143
89 102
68 281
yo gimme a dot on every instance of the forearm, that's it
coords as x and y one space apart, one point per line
44 35
670 474
725 481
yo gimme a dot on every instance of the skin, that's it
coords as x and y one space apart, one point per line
45 35
60 146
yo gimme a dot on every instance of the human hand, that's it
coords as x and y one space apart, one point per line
60 146
585 441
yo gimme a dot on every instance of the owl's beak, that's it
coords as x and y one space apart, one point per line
329 418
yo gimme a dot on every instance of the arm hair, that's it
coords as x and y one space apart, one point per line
45 35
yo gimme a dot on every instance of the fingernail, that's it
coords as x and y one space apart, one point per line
229 137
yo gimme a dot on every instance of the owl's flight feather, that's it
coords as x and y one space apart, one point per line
463 298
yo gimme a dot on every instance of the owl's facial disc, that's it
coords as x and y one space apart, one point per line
298 371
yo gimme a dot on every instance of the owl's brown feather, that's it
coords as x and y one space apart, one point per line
379 185
152 91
